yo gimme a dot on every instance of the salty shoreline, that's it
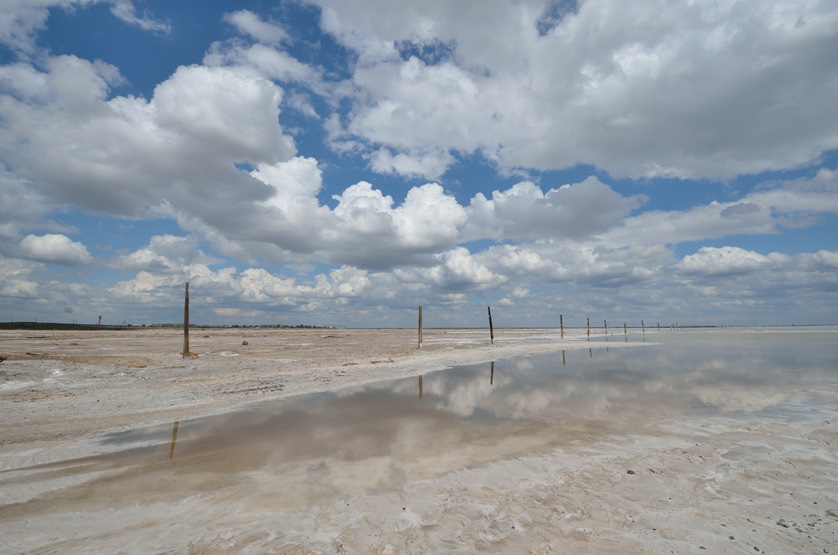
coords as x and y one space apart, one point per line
636 474
61 385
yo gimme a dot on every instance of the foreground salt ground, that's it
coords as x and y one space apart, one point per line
609 482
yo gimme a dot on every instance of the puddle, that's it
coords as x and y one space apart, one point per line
317 449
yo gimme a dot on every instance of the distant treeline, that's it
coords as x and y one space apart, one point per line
56 326
75 326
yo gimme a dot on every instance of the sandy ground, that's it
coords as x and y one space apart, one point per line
707 486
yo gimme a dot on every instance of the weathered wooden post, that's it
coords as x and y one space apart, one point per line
605 323
420 328
100 321
589 329
491 329
625 332
643 330
186 322
561 325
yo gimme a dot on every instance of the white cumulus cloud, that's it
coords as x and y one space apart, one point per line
723 261
639 89
55 248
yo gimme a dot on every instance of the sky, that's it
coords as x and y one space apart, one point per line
343 162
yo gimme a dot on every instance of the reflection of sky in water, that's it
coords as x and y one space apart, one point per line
766 373
725 371
373 437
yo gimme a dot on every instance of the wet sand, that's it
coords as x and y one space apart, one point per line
683 485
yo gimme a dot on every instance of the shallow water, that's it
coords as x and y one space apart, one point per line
576 395
317 449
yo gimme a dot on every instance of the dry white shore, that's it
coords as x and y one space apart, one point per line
710 485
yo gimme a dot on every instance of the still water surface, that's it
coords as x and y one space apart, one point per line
301 450
471 415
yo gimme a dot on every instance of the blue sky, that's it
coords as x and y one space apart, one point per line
338 162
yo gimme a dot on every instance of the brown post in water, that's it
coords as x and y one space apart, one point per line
186 322
420 328
605 323
561 325
589 329
625 332
491 329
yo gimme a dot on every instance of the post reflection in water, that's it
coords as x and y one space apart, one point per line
420 387
174 439
564 359
492 374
